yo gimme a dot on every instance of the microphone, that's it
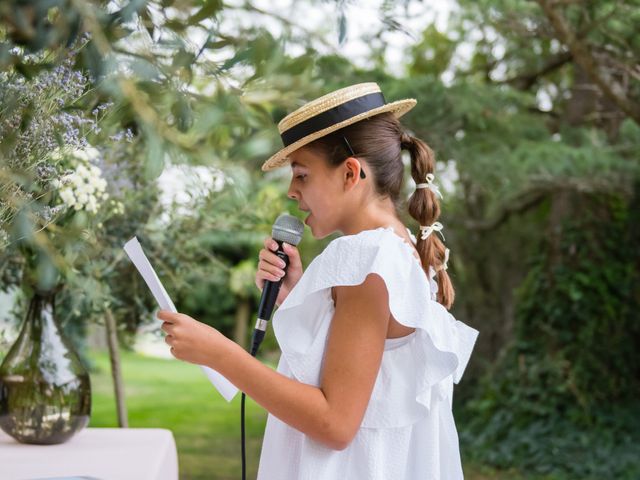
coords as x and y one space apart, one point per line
286 228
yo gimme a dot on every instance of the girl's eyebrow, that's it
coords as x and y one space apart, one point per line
297 164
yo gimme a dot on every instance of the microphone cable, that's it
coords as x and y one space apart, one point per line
289 229
255 344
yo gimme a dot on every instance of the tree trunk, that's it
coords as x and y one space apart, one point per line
116 373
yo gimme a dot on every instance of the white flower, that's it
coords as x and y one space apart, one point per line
88 188
83 171
55 183
92 153
101 184
80 189
80 154
77 180
85 187
118 208
97 183
92 207
66 179
67 197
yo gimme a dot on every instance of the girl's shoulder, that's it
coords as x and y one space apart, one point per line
369 248
384 239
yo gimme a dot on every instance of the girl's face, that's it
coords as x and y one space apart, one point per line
323 192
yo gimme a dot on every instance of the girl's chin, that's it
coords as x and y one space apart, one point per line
311 226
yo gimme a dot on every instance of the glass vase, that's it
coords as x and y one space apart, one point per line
45 391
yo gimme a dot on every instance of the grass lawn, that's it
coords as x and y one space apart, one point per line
167 393
175 395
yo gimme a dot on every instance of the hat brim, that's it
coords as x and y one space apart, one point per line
280 158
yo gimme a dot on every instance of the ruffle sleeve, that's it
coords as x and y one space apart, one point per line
437 354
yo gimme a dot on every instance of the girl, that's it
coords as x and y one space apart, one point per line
364 385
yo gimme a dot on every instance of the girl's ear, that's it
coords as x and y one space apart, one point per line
353 167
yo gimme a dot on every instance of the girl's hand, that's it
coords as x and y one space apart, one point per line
191 340
270 268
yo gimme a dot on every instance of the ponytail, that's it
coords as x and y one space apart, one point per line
424 206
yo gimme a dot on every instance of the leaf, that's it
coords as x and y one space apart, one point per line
241 56
154 161
218 44
46 272
22 228
176 25
208 10
92 59
134 6
118 32
74 28
147 21
342 28
182 112
183 59
29 70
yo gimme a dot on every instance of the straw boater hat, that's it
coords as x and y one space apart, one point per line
329 113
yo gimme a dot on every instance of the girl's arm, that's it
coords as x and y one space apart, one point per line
331 413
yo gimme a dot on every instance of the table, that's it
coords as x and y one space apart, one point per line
97 453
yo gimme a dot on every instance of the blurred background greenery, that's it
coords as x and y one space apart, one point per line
532 107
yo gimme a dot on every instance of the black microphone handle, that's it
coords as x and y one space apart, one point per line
267 302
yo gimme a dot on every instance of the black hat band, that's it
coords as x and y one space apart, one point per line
334 115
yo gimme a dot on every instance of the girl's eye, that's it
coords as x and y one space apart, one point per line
300 176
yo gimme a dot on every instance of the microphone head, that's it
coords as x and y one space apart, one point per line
287 228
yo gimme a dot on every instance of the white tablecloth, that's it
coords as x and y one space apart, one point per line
101 453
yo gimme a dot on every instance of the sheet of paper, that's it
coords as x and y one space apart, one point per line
134 250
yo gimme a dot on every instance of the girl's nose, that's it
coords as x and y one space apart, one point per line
291 193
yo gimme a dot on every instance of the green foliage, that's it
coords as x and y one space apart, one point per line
525 44
432 55
592 276
157 100
52 192
562 398
553 444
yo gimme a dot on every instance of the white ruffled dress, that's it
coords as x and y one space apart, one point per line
408 430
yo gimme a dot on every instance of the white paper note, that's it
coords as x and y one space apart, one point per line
134 250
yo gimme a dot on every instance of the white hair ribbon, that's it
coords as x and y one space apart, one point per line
430 185
426 230
446 259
